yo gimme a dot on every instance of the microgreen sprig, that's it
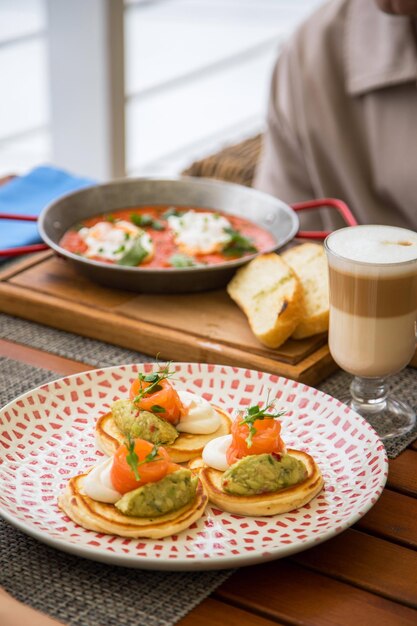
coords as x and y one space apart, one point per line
133 459
254 413
155 379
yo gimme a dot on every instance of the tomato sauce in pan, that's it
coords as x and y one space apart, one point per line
245 237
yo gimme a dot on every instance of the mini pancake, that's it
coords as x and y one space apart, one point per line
106 518
185 448
271 503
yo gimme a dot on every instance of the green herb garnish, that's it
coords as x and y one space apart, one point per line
135 255
149 378
254 413
238 244
110 218
144 220
157 409
182 260
152 456
154 379
132 458
120 249
170 212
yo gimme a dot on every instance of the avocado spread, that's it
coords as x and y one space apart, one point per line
142 424
155 499
262 473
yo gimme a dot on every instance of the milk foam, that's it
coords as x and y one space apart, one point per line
374 244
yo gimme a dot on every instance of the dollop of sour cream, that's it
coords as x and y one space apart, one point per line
98 484
111 240
200 232
198 417
214 453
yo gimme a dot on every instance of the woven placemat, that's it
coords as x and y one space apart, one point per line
100 354
79 592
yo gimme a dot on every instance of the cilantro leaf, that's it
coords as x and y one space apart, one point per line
135 255
172 210
238 244
144 219
182 260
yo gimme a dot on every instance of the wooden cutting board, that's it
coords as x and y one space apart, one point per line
205 327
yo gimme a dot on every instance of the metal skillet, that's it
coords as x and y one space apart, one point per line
264 210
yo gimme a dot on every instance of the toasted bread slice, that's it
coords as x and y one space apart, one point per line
106 518
271 296
310 264
186 447
273 503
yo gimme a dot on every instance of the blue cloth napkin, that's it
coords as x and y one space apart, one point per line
28 195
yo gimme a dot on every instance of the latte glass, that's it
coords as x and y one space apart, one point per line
373 311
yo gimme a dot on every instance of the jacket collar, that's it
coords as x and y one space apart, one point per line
380 50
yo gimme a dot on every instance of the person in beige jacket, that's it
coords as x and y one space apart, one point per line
342 115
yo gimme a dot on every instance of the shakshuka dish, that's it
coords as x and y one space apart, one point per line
166 236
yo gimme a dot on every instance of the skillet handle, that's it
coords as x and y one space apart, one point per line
333 203
20 250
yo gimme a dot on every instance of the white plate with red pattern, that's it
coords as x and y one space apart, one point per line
47 436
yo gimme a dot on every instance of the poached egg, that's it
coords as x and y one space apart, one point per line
111 240
200 232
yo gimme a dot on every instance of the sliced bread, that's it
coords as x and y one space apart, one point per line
270 294
310 264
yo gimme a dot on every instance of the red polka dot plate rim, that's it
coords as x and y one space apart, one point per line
47 436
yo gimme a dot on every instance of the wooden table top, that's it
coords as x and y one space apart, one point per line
365 576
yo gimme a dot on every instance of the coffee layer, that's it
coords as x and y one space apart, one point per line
370 346
369 296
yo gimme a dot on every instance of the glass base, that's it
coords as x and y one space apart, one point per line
387 415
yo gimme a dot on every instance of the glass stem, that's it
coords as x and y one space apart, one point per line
369 393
